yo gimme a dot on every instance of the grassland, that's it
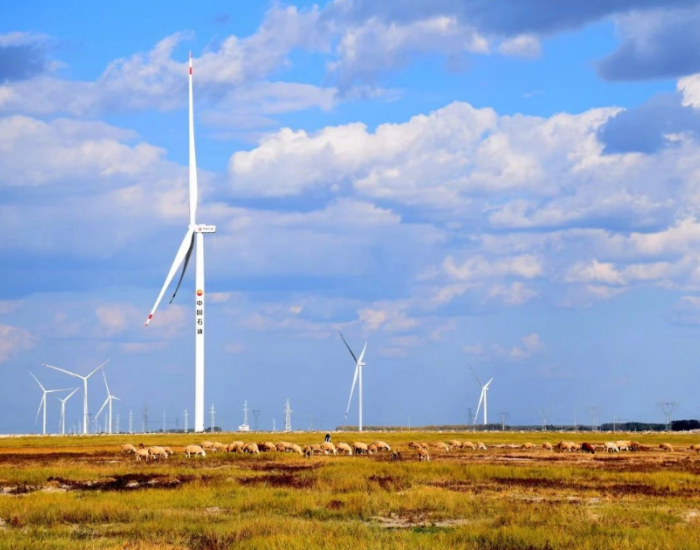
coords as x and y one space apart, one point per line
80 492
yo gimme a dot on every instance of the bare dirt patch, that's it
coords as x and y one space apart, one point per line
280 480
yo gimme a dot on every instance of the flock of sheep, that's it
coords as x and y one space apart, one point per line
421 449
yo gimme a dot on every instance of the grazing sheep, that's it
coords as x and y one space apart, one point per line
415 445
666 447
266 447
294 448
168 450
610 447
575 447
283 447
695 447
251 448
307 451
469 445
396 455
455 444
587 448
344 448
565 446
142 454
207 445
157 452
328 448
423 454
440 446
528 446
360 448
235 447
481 446
372 449
128 448
547 446
217 447
623 445
195 450
381 446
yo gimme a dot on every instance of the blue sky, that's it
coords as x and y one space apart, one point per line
503 184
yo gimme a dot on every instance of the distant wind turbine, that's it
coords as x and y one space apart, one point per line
62 420
86 417
482 397
194 232
358 377
109 400
42 403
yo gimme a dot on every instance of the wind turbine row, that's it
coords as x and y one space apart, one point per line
86 416
195 232
42 403
108 401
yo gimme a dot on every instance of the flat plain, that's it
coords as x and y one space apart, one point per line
82 492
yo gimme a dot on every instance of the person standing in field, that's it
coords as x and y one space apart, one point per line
327 439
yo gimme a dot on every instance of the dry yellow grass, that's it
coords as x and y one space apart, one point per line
83 493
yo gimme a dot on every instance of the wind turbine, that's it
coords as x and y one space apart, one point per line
358 376
42 403
62 421
194 232
109 400
482 397
86 419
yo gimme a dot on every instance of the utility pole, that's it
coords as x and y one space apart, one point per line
593 413
131 421
186 417
287 417
544 414
667 407
503 416
256 413
212 415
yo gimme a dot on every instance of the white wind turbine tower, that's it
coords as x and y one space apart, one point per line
62 422
108 401
358 377
42 403
482 397
86 416
194 232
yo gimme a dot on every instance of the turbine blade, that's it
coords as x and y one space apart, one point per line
101 408
63 371
363 353
105 379
475 376
71 394
352 389
481 400
179 257
115 398
193 157
43 399
346 345
37 381
184 268
488 384
98 368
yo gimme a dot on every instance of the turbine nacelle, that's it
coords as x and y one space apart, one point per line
202 228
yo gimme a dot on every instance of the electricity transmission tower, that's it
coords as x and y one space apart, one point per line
144 420
274 427
469 416
287 417
667 407
212 415
186 418
593 412
256 413
131 421
503 416
544 414
163 427
118 423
